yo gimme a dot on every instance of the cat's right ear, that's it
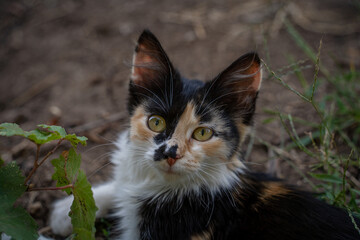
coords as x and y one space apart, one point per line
235 89
150 61
152 73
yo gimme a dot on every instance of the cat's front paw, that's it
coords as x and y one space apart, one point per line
60 221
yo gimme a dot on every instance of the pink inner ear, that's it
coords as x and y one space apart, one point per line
138 71
256 83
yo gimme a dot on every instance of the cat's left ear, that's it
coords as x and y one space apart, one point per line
236 88
150 61
152 74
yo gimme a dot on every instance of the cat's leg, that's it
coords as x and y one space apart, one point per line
60 221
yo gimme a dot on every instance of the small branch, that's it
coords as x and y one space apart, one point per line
37 164
51 152
37 153
50 188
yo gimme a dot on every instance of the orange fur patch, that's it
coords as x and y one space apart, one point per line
273 190
139 130
179 137
243 130
212 147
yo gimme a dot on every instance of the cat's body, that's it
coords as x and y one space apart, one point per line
177 171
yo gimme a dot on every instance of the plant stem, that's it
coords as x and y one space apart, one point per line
37 164
317 68
273 74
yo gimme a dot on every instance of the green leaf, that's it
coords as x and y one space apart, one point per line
11 129
73 165
83 209
11 184
60 174
54 129
327 178
67 167
75 140
39 136
1 162
15 222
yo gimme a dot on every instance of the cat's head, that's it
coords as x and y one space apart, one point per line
187 130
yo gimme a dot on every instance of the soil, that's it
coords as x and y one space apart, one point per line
67 63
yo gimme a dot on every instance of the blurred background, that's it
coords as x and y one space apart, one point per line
67 63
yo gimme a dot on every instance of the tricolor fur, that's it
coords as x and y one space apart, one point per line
168 185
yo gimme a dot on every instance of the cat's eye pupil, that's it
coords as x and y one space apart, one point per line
203 134
156 123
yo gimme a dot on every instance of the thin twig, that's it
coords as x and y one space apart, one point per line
51 152
37 164
284 83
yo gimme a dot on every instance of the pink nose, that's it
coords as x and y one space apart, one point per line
171 161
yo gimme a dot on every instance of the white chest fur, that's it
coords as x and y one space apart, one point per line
132 181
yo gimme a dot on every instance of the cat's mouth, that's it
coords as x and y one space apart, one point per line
170 171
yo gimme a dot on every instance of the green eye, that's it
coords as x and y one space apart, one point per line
156 123
202 134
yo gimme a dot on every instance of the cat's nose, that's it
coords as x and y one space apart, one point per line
171 155
171 161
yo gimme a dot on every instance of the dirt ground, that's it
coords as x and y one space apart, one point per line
67 62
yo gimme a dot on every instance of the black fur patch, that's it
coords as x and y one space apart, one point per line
171 152
244 213
159 153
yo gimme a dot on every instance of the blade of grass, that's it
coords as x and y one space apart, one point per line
298 73
284 83
299 40
294 138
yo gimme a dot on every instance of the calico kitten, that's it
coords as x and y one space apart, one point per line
178 173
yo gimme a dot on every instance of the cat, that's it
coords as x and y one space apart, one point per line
178 172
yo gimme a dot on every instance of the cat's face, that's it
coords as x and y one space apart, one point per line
186 129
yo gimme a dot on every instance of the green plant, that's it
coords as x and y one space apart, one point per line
15 221
333 140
